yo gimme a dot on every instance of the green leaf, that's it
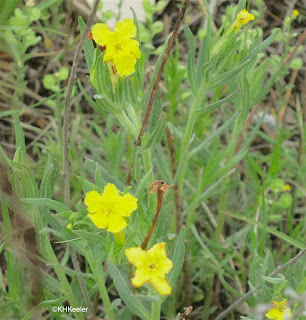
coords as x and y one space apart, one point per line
285 200
158 132
142 184
88 186
48 179
20 141
7 9
262 46
277 185
277 281
229 74
217 104
191 59
48 203
126 295
88 45
177 258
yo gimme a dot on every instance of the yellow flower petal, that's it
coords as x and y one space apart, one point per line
128 203
141 277
126 28
100 219
125 64
110 192
132 47
161 285
165 265
135 256
93 201
101 34
158 251
116 224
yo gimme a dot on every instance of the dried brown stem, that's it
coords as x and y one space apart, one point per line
278 270
288 94
160 187
67 110
177 197
67 30
301 39
158 77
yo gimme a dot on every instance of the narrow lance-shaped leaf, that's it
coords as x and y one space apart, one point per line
218 103
88 45
191 59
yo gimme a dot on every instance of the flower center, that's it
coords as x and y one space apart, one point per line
152 266
118 46
108 211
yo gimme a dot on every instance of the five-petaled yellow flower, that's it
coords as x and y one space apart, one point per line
279 311
121 50
151 266
107 210
243 17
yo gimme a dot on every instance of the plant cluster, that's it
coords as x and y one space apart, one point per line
184 192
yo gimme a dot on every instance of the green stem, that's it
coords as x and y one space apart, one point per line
155 313
119 238
220 217
98 274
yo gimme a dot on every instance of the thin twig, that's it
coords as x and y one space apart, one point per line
67 110
301 39
67 29
158 77
278 270
288 94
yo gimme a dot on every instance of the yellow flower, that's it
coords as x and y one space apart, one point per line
109 209
286 188
121 50
243 17
151 266
294 15
279 311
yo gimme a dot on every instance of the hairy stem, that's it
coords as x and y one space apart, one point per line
155 86
67 109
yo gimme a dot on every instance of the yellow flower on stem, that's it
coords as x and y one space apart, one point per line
107 210
294 15
151 266
121 50
279 311
243 17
